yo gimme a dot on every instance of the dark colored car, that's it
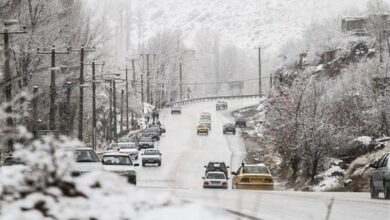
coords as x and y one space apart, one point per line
217 166
152 132
240 122
151 156
145 142
221 105
176 110
229 128
9 161
380 177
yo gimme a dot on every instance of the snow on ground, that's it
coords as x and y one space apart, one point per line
364 140
44 189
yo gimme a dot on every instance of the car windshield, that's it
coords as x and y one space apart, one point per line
255 169
151 152
146 139
116 160
216 165
86 156
229 125
127 146
9 161
215 176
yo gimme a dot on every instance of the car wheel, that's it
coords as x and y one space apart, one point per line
374 193
386 189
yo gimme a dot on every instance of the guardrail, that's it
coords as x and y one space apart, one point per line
203 99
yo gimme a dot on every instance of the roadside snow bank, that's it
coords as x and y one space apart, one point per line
331 179
44 189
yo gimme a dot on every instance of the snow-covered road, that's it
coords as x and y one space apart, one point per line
185 153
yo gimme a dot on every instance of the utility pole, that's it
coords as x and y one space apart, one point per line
122 97
35 113
270 81
53 52
68 122
142 93
94 120
181 80
114 111
93 107
147 79
135 90
260 89
8 75
127 98
82 52
110 114
148 93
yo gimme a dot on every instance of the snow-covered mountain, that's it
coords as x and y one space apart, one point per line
245 23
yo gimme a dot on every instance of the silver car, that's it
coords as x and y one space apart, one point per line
215 180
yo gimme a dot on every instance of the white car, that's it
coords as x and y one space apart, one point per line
121 164
129 148
205 116
151 156
205 122
215 180
86 160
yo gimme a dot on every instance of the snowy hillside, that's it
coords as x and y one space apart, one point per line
249 23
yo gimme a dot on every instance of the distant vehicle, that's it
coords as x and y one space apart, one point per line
253 176
240 122
152 132
10 161
205 116
129 148
122 164
380 177
215 180
145 142
124 140
176 110
202 129
86 161
151 156
161 129
229 128
206 122
217 166
221 105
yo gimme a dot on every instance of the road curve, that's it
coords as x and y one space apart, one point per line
185 153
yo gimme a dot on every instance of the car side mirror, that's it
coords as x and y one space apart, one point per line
203 178
136 164
373 165
233 173
205 166
160 154
227 166
142 154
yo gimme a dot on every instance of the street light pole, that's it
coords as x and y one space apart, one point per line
110 114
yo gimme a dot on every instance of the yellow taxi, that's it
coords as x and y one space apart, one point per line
202 129
252 176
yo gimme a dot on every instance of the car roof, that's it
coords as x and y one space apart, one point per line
255 165
216 172
115 154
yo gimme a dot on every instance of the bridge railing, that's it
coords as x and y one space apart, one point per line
204 99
